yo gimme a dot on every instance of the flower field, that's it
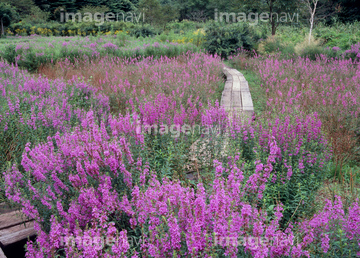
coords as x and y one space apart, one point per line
326 87
82 157
186 80
31 56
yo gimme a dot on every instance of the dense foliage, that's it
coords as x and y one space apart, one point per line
31 109
189 9
114 142
226 40
30 57
95 176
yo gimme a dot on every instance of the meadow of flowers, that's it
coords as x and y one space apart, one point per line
186 32
97 186
34 108
186 82
30 56
328 87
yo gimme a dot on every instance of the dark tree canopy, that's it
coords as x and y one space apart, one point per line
197 10
7 14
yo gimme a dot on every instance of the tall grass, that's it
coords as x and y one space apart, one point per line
188 78
31 56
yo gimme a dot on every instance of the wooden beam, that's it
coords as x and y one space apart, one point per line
11 219
2 255
17 233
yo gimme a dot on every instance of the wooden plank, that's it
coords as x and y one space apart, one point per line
11 230
17 233
235 72
244 86
228 86
242 78
236 85
226 99
2 255
12 219
247 101
236 99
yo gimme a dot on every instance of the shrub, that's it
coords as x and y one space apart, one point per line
288 51
144 31
338 34
30 60
225 40
9 53
70 28
353 53
272 45
312 52
291 34
122 39
37 16
184 25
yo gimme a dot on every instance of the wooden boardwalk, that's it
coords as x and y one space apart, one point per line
236 100
14 227
236 97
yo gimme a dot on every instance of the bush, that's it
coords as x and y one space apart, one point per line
184 25
9 53
30 60
272 45
143 31
70 28
121 39
339 34
225 40
353 53
288 51
37 16
312 52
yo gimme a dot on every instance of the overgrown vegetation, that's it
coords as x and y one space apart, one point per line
117 131
226 40
30 57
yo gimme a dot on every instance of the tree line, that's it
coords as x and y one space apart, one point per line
198 10
163 11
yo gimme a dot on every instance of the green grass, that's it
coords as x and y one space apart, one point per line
258 93
346 185
337 35
37 51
